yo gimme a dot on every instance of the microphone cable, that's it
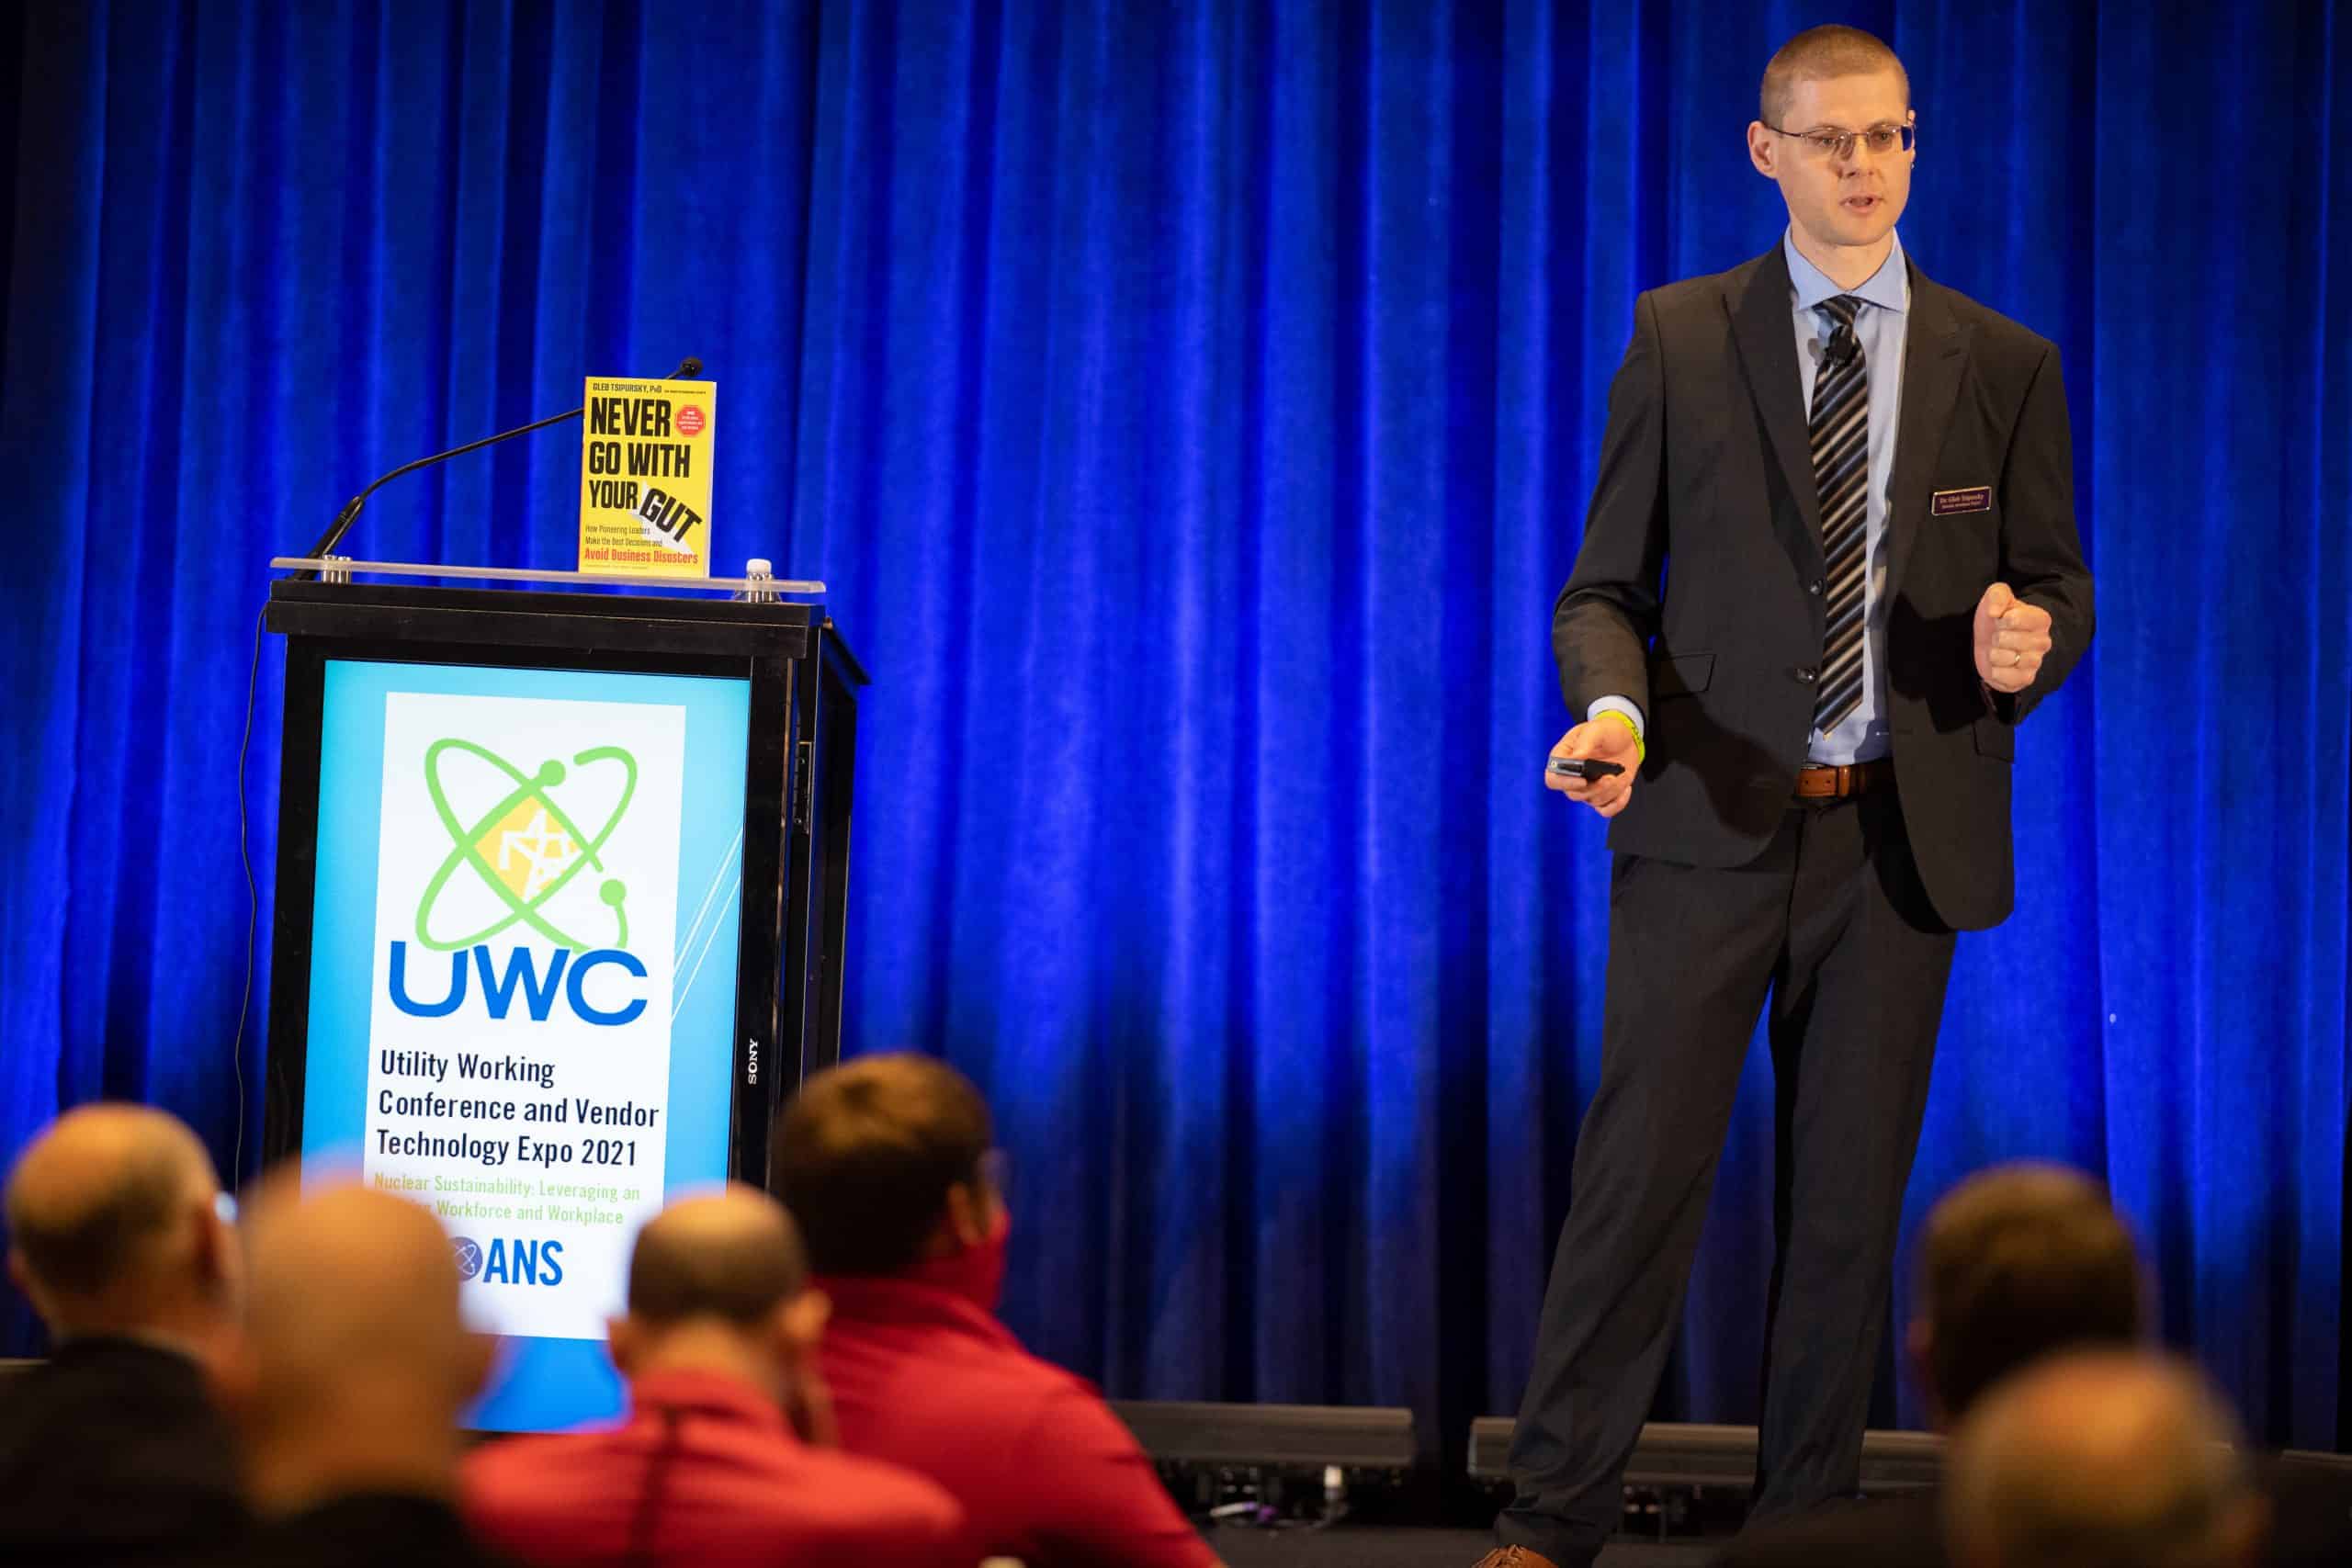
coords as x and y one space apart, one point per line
252 905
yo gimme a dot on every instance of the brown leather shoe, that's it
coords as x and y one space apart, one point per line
1514 1557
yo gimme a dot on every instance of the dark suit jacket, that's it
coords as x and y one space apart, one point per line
1695 592
110 1452
364 1530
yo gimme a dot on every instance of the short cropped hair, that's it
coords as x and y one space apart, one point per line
1816 54
2018 1263
2101 1460
739 1273
866 1152
87 1247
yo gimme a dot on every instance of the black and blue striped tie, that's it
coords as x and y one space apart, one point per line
1841 463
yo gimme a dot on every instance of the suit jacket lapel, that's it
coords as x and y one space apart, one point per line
1766 333
1935 362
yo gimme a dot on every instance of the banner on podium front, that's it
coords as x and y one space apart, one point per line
523 980
645 477
519 1023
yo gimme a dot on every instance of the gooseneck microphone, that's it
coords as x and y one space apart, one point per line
688 368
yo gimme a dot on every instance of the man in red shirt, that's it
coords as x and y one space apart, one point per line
885 1163
719 1350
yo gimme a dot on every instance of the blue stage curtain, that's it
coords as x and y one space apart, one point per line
1193 407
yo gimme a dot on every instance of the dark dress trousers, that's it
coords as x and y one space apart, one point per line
111 1453
1697 593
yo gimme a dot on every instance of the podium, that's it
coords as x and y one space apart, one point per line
561 878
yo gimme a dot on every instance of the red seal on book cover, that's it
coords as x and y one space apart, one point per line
691 420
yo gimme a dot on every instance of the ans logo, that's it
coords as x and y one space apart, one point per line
523 850
509 1261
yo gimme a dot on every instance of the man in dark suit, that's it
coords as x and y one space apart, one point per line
111 1452
2017 1263
1829 566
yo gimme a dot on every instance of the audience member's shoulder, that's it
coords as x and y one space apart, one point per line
994 1370
370 1530
113 1453
526 1453
1053 1378
1895 1532
121 1377
887 1503
2311 1514
1069 1421
508 1474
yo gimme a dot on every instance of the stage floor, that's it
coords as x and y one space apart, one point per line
1373 1548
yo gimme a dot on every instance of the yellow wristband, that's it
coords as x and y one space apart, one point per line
1641 752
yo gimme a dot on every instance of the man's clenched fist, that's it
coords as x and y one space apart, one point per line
2010 637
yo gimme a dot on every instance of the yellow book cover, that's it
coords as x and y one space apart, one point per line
645 477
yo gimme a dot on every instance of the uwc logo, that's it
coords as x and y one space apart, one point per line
523 850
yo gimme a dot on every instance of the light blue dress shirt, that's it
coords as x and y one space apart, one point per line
1880 327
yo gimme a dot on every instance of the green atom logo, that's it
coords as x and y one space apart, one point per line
526 849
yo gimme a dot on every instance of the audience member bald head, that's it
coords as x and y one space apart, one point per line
2018 1262
720 1281
115 1229
2100 1459
357 1362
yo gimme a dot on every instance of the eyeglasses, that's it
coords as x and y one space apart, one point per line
1835 141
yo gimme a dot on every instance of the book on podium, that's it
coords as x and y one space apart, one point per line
562 879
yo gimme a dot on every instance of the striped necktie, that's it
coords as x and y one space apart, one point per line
1841 464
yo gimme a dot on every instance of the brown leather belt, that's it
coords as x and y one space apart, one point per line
1844 781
